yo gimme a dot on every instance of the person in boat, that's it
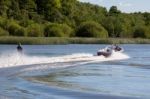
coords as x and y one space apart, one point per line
19 48
117 48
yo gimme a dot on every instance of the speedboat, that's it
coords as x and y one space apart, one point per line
106 52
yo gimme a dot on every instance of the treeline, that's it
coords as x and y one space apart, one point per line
69 18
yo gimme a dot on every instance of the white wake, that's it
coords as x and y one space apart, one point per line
16 59
14 64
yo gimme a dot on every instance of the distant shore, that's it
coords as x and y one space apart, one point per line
60 40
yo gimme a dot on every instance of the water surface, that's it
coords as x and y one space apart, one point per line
72 71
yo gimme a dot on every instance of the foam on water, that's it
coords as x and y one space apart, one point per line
16 59
14 64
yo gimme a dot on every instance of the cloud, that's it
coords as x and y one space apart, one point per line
125 4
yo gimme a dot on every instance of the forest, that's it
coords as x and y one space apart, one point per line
69 18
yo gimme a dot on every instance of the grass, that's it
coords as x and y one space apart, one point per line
60 40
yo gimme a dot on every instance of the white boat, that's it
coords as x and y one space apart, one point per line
109 50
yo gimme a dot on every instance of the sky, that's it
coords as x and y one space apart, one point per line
127 6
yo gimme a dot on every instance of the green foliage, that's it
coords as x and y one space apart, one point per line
2 22
146 18
91 29
3 32
88 12
58 30
28 18
140 32
147 31
126 26
114 26
35 30
3 7
15 29
26 23
50 9
114 11
14 12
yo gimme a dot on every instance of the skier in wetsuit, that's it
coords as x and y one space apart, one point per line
19 48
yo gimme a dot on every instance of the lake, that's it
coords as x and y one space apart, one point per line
74 71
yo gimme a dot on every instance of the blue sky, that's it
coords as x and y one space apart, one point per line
124 5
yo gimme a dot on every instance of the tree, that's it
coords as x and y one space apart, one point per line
147 31
68 4
27 5
108 23
50 9
3 32
127 28
28 8
58 30
91 29
14 12
4 7
146 18
114 11
15 29
140 31
35 30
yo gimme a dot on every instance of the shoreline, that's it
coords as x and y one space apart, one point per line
73 40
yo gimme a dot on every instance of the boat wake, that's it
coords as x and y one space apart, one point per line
16 63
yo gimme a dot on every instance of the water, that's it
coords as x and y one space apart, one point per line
73 71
